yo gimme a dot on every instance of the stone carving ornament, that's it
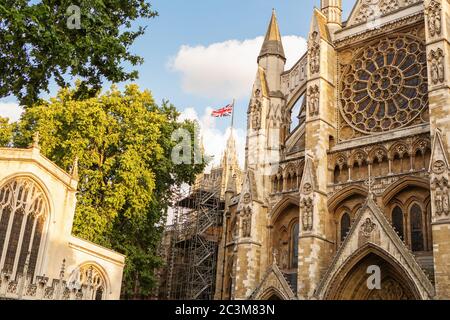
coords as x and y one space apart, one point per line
313 100
367 228
391 290
247 223
385 86
307 209
436 59
247 198
439 167
434 12
307 188
441 198
256 110
372 9
314 53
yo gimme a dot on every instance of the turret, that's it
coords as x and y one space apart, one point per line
272 58
332 9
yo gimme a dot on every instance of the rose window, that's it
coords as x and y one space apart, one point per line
385 86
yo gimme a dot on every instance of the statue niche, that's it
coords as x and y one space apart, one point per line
247 223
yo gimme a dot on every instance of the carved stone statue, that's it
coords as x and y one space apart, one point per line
436 59
433 12
256 110
247 224
314 53
441 69
438 202
313 100
445 204
307 208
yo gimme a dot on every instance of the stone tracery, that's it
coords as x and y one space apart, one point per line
89 275
385 86
23 203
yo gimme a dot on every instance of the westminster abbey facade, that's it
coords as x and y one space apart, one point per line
347 161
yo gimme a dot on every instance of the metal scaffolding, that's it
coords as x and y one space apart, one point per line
194 239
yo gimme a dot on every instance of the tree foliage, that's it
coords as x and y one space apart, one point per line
36 44
6 132
123 143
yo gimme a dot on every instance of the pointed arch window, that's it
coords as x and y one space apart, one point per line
416 228
294 245
298 113
90 276
397 221
345 225
23 212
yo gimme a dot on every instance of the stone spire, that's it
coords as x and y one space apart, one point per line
231 182
230 154
230 164
272 43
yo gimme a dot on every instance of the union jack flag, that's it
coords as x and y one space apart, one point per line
224 112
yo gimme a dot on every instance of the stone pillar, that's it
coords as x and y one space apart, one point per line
438 55
315 246
249 254
222 252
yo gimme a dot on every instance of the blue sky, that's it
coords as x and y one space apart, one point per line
203 22
191 78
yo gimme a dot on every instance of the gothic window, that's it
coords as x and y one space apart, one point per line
397 221
385 86
416 228
397 164
23 211
419 160
275 184
340 173
91 277
294 245
345 225
298 113
337 173
99 294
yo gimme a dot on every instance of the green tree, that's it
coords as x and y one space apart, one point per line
6 132
123 143
38 43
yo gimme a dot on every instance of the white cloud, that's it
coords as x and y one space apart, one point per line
10 110
227 69
214 140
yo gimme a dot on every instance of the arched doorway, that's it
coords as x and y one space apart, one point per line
272 294
274 297
351 282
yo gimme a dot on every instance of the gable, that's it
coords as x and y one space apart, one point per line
371 228
273 281
249 191
370 10
319 25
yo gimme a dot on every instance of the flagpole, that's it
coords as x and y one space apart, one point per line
232 116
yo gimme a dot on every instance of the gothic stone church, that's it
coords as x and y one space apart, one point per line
40 259
347 161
